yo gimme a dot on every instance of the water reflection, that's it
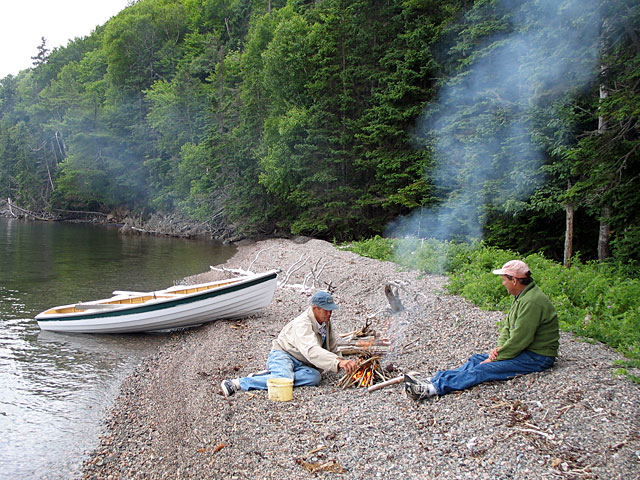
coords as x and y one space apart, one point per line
55 388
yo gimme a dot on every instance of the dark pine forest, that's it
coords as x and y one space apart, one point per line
514 121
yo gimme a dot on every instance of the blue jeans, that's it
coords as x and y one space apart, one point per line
282 365
474 372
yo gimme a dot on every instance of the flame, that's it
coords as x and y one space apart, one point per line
368 376
364 376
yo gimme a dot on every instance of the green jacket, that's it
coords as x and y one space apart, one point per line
531 324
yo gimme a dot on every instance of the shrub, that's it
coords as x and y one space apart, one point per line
377 248
593 300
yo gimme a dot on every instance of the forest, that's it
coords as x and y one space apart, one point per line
511 121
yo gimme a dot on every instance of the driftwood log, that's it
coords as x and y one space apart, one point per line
393 298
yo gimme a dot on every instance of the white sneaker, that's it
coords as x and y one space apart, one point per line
229 387
417 389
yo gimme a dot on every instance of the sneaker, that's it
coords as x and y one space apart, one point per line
417 389
229 387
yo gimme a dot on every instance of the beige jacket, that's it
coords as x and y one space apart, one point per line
301 339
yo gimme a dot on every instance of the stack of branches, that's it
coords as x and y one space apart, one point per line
370 347
364 342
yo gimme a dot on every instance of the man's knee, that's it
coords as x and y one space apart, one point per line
307 376
314 376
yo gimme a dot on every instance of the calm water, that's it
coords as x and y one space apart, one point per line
55 388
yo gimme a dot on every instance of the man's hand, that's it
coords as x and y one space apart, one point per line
348 366
493 355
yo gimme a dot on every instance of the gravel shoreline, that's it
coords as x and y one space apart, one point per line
577 420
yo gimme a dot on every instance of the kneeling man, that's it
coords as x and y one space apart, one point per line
305 346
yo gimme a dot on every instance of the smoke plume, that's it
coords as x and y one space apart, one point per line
482 129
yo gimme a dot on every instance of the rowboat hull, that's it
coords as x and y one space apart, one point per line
175 307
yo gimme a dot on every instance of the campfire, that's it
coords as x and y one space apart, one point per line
370 348
368 372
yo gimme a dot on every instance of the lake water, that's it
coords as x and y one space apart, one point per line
56 388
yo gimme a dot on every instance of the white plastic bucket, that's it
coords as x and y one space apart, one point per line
280 389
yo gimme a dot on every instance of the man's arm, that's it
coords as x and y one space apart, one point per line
523 331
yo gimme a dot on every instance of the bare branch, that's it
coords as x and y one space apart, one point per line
293 268
257 255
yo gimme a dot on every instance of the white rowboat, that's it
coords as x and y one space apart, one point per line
175 307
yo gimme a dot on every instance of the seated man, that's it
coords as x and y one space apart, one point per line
304 345
528 341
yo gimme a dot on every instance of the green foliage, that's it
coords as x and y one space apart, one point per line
593 300
377 248
142 43
340 119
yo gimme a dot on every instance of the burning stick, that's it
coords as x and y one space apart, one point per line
393 381
357 375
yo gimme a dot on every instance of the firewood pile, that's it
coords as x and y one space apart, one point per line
370 347
365 342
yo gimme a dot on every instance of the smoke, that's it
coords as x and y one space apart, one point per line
482 130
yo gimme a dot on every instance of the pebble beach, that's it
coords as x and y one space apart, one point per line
578 420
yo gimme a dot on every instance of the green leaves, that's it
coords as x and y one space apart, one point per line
592 299
344 119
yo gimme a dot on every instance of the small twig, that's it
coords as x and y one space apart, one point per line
409 344
531 430
563 410
311 452
545 414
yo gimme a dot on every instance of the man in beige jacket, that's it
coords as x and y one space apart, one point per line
304 346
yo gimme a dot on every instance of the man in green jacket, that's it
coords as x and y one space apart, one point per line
528 341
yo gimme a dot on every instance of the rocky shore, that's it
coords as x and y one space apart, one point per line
129 223
577 421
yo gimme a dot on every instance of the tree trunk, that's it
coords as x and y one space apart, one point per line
605 232
568 236
605 213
